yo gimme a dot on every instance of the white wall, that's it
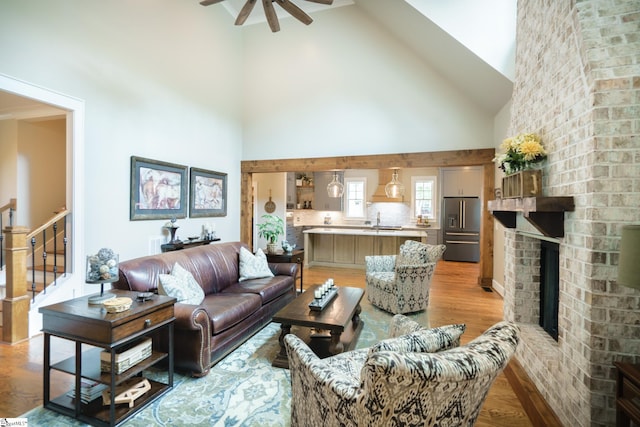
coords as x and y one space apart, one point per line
159 79
8 161
272 185
343 86
41 170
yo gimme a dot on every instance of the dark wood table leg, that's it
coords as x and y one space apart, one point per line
281 360
335 346
356 316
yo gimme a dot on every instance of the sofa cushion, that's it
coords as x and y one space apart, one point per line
228 309
181 285
423 341
253 266
268 288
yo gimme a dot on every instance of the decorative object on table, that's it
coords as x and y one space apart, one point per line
102 268
208 196
287 247
208 231
323 295
629 263
172 227
128 392
270 229
117 305
270 206
145 296
394 188
158 190
521 152
335 188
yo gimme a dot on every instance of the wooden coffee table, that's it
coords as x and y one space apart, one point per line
341 318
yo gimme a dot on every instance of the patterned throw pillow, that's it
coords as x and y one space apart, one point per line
424 341
253 266
181 285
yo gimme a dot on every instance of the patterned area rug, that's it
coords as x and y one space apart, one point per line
241 390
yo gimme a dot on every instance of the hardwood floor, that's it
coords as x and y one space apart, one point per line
455 298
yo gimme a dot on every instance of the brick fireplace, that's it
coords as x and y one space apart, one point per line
578 86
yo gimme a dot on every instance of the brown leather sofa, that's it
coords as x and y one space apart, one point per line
231 312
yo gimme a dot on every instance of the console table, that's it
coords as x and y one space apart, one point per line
627 394
93 331
296 256
176 246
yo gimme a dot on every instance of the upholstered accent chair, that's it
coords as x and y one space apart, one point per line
406 385
400 283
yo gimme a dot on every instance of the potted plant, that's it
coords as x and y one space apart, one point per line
271 227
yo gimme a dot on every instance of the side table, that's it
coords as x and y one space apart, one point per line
627 394
296 256
93 330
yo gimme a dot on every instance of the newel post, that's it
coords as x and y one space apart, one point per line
16 304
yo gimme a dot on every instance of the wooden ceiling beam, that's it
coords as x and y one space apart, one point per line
379 161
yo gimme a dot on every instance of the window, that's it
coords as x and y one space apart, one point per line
423 196
354 194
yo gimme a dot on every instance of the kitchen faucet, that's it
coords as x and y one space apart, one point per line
378 219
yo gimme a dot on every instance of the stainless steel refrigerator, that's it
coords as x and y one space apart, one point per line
462 228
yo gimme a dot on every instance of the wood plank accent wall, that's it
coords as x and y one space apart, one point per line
480 157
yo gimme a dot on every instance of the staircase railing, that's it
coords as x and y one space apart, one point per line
41 249
6 210
17 302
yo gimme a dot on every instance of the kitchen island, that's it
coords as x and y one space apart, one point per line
347 247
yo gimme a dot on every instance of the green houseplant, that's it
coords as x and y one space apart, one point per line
271 227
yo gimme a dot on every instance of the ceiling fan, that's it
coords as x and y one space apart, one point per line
270 12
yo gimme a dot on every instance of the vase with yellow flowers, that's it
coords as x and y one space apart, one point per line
519 153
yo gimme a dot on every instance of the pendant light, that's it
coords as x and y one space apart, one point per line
394 189
335 187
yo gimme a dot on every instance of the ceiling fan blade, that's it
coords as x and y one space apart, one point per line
270 13
245 11
295 11
322 1
209 2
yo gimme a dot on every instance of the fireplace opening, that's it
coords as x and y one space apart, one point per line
549 287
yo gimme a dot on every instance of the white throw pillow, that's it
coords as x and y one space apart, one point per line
181 285
253 266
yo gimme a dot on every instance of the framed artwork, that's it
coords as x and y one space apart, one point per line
208 191
158 189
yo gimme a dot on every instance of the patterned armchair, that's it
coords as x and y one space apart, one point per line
403 386
400 283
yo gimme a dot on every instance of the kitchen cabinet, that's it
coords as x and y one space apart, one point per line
348 248
464 181
322 201
343 248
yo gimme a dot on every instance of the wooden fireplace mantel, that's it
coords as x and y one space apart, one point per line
546 214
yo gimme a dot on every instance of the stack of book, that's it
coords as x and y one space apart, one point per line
89 390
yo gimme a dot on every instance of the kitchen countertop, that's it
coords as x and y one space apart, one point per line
369 231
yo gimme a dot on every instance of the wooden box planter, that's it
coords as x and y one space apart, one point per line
522 184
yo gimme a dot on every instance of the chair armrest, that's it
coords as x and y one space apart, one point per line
317 387
379 263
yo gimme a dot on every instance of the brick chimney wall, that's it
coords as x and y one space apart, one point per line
578 86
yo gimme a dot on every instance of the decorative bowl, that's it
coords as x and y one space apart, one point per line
117 305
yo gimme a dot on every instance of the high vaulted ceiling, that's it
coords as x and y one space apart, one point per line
406 21
438 40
